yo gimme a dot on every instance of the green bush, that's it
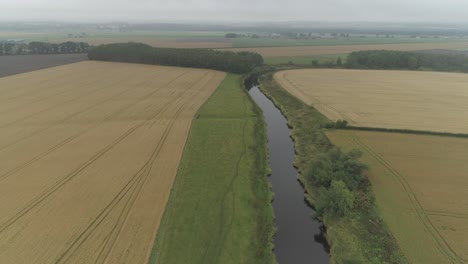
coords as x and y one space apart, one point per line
337 165
337 201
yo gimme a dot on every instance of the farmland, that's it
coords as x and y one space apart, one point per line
360 236
427 101
344 49
89 152
166 39
420 186
10 65
267 46
157 41
220 207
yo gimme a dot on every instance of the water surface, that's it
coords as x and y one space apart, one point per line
299 238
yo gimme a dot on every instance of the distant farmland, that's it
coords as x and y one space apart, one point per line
10 65
386 99
161 42
88 155
343 49
420 184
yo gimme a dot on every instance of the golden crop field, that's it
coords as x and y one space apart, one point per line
342 49
430 101
88 155
420 185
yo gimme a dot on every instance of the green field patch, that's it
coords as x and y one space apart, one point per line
220 206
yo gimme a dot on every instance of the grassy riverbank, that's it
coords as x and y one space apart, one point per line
358 237
220 206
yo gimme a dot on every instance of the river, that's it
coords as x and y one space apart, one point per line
299 238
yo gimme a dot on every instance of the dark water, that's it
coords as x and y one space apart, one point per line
299 238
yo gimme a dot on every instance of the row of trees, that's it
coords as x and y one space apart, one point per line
35 47
385 59
235 62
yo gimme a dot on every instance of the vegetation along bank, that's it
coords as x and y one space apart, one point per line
336 184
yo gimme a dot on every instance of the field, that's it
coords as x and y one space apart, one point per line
169 39
343 49
420 185
427 101
89 152
354 40
220 207
155 41
268 47
10 65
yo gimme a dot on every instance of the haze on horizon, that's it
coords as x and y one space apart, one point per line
435 11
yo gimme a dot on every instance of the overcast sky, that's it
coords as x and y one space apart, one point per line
235 10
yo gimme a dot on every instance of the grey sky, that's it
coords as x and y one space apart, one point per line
232 10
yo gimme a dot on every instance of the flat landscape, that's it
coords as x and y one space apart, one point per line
10 65
429 101
168 39
343 49
88 155
220 207
420 185
160 42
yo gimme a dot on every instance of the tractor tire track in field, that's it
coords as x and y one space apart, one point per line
448 214
54 106
67 118
62 121
120 223
133 187
443 246
57 94
3 93
71 175
69 139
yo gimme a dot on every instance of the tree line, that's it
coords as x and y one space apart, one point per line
36 47
228 61
403 60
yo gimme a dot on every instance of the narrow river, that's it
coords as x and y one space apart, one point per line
299 238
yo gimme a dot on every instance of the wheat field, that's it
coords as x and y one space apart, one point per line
88 155
429 101
343 49
420 183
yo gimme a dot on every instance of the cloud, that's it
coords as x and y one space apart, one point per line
232 10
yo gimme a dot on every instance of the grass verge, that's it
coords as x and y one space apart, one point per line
360 236
220 208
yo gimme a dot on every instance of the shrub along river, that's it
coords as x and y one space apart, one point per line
299 238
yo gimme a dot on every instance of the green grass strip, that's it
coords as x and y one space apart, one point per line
220 208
